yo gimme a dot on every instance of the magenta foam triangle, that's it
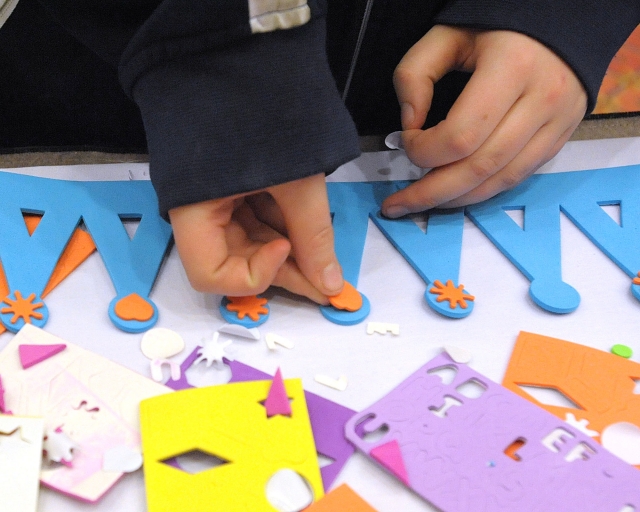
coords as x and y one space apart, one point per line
34 354
390 457
2 404
277 401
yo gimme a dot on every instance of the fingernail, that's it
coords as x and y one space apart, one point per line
332 277
407 114
393 212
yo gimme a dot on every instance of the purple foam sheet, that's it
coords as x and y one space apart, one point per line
327 418
463 442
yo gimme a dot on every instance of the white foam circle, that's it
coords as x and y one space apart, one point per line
161 343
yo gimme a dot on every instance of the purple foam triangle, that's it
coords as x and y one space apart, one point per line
390 456
34 354
277 401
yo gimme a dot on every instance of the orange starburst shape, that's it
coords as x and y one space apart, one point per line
250 305
22 308
455 295
636 280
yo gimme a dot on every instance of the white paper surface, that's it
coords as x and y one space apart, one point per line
373 364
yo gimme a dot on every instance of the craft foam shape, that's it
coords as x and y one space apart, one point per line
327 418
34 354
274 339
581 196
599 383
228 422
383 328
122 459
341 499
239 330
161 343
30 260
339 384
3 409
79 248
59 447
277 401
434 255
249 312
390 456
20 461
492 452
95 400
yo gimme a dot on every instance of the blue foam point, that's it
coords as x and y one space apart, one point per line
443 307
232 317
341 317
5 318
556 297
132 326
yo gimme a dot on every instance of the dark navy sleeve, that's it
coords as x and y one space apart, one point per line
586 34
234 97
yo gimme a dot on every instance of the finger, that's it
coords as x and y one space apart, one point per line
267 211
449 182
472 118
542 148
291 278
201 232
305 208
437 53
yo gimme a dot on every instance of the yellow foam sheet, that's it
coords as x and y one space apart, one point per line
93 400
228 422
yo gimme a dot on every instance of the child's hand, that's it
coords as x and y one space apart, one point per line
520 106
243 244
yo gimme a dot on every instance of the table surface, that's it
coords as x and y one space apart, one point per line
373 364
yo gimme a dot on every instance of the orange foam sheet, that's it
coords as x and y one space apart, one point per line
600 384
341 499
78 249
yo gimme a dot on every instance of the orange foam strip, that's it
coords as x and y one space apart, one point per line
78 249
341 499
600 383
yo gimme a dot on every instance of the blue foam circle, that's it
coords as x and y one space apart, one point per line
232 317
342 317
443 307
132 326
557 297
5 318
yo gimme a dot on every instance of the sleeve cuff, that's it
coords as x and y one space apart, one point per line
244 117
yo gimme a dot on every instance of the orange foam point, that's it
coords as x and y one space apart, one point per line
341 499
636 280
134 307
349 299
22 308
249 305
455 295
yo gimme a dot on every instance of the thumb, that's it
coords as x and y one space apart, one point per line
441 50
305 208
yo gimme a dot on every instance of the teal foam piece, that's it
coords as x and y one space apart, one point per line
435 255
132 264
535 250
342 317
